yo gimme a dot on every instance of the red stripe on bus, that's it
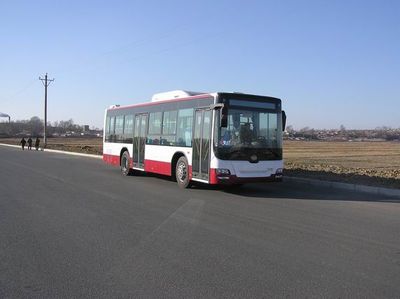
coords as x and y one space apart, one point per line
213 176
149 165
157 167
190 172
111 159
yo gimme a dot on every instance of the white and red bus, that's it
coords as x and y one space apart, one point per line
213 138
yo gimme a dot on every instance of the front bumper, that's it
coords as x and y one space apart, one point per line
217 179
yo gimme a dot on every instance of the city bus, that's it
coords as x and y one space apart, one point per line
212 138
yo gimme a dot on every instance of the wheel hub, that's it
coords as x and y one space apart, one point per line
181 171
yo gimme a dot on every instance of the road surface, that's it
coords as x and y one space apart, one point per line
74 227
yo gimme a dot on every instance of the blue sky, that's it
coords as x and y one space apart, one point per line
331 62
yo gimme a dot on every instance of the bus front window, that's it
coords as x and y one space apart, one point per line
249 132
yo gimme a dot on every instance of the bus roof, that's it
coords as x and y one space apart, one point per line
164 99
174 94
181 95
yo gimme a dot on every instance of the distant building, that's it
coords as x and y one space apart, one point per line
5 115
86 128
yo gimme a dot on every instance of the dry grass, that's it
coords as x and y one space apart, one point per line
372 163
71 144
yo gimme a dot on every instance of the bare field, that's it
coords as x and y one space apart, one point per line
72 144
369 163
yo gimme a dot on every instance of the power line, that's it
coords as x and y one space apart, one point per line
46 82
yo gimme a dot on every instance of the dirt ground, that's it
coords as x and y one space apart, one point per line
72 144
368 163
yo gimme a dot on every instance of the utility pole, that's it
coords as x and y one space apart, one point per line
46 82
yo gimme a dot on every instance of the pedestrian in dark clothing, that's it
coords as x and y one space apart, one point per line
23 142
29 143
37 142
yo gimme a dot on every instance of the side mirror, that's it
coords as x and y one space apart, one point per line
223 117
283 120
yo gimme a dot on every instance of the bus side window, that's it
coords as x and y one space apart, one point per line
154 133
112 129
128 125
119 127
169 123
107 129
155 121
128 129
169 128
184 130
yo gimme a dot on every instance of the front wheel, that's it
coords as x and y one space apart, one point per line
125 167
182 173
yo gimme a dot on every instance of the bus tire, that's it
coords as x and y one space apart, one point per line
125 161
182 173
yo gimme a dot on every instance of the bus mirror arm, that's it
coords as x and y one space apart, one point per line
223 118
283 120
217 106
223 115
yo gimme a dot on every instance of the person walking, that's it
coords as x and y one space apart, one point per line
23 142
30 143
37 142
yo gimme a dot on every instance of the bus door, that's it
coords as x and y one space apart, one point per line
139 140
201 144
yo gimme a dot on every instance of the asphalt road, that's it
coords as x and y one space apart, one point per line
74 227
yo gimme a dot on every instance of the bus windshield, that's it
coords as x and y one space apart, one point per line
249 132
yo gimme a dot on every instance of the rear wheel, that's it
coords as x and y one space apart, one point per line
125 161
182 173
